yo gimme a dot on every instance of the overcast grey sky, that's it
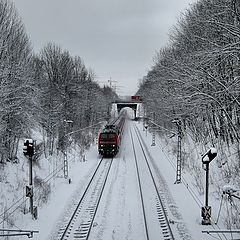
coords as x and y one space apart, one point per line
116 38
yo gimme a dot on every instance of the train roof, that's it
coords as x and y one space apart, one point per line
109 129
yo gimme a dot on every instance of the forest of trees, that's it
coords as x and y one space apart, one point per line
43 91
196 79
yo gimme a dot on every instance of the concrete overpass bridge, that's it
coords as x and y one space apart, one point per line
135 103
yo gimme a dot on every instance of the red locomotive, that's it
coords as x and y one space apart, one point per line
109 139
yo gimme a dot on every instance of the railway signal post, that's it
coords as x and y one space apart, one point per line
146 127
28 150
206 210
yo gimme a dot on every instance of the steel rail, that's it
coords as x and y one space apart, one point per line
156 188
67 229
221 235
140 187
99 199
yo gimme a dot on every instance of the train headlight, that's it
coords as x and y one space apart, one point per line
114 145
101 145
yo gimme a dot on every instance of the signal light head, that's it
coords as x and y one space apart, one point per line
28 147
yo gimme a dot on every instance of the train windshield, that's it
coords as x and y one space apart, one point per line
107 136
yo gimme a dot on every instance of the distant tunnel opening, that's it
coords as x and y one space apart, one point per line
133 106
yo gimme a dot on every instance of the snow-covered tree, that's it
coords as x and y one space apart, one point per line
16 103
196 79
68 93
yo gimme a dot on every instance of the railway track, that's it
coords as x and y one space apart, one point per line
157 225
82 219
78 223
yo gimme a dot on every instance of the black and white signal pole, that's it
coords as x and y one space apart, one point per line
206 210
28 150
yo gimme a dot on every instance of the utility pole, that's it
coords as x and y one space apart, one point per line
154 132
111 84
65 161
179 151
65 165
144 118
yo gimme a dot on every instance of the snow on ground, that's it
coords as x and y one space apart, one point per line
185 194
49 214
118 217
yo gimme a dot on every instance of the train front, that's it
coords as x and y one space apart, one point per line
108 143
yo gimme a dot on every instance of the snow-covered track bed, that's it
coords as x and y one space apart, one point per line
79 223
155 215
